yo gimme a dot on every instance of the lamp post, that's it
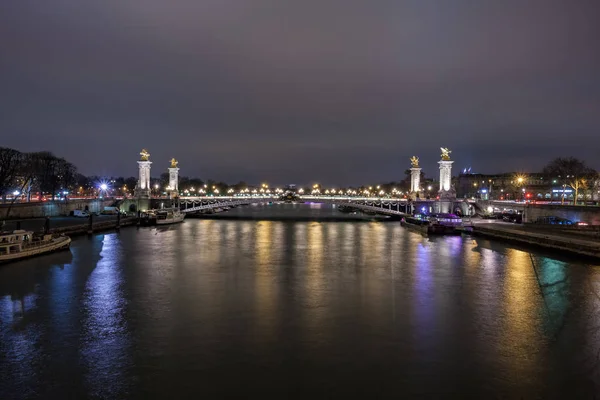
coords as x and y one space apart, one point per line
520 182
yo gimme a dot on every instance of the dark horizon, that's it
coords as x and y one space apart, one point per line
314 91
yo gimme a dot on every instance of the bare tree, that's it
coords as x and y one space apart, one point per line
10 162
570 172
41 170
25 177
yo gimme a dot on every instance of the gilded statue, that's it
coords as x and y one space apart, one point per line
145 155
174 163
414 162
445 153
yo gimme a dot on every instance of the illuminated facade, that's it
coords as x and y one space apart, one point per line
516 186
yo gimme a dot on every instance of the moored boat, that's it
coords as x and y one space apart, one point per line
417 222
445 224
163 216
22 244
448 224
169 216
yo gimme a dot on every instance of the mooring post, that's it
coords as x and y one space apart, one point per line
47 226
91 224
18 225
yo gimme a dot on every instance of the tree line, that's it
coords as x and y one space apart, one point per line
574 173
41 172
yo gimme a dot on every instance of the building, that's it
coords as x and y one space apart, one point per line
519 186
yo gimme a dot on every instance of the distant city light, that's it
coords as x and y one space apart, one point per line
103 186
16 193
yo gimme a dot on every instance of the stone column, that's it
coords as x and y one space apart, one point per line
174 179
445 175
415 179
142 189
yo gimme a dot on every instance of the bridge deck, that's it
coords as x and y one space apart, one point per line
340 202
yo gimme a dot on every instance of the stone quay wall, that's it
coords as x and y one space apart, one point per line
51 208
589 214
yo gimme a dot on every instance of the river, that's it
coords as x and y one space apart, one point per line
288 309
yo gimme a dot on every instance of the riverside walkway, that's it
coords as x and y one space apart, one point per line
584 242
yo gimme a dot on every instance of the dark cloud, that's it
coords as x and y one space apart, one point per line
336 91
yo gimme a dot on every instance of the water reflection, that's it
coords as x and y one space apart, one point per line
270 305
424 306
23 332
104 350
266 289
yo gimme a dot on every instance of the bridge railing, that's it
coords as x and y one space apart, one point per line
214 205
365 206
300 197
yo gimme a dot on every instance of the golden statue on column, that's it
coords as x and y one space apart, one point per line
414 162
145 155
445 153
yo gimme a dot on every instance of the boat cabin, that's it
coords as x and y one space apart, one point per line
446 219
13 242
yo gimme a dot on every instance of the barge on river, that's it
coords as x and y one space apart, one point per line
443 224
164 216
20 244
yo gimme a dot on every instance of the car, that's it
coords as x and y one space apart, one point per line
80 214
553 220
512 217
488 216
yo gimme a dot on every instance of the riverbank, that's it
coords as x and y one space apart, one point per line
551 239
83 229
70 225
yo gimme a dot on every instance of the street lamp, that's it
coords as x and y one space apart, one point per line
521 183
103 188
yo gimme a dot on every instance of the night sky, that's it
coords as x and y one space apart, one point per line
339 92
